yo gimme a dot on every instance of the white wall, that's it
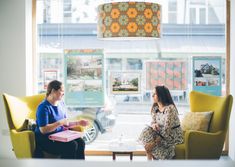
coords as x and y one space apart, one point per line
15 52
232 83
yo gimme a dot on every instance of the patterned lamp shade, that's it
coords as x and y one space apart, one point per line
129 19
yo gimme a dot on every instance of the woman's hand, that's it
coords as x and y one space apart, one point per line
155 127
149 146
83 122
158 140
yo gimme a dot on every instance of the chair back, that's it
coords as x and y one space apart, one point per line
221 107
18 109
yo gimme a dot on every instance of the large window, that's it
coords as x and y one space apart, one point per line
127 70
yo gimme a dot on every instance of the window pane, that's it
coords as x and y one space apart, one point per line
202 16
192 16
130 68
172 5
172 17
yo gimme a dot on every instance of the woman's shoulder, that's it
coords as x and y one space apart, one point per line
44 104
170 108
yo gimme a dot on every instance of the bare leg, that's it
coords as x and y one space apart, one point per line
149 156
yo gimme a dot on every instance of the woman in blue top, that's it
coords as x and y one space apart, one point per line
51 118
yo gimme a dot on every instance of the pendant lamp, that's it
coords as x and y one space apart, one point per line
127 20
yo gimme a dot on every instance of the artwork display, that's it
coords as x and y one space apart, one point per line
84 77
168 73
125 82
50 61
207 75
49 75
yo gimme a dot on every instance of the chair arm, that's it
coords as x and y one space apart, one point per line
23 143
203 145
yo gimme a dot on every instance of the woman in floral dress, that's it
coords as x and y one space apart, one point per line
159 139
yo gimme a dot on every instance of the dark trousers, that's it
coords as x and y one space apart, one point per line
67 150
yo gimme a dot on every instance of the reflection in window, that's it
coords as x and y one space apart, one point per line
202 16
172 11
192 16
134 64
213 17
114 64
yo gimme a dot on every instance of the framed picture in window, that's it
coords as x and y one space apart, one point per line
207 75
84 79
49 75
125 82
166 72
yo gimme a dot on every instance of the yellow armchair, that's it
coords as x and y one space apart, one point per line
206 145
18 109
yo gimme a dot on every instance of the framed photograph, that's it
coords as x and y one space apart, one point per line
84 67
166 72
49 75
125 82
207 75
84 79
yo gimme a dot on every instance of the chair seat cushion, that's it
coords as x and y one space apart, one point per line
199 121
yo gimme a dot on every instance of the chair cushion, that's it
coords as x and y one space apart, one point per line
199 121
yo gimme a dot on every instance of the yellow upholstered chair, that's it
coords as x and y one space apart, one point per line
206 145
18 109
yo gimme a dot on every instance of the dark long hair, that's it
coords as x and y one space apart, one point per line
56 85
164 97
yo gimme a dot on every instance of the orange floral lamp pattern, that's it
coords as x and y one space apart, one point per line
129 19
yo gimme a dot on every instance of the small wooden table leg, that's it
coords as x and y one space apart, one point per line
121 152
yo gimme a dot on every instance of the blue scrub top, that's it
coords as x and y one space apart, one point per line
47 114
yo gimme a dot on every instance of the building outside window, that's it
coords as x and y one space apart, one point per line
130 69
172 15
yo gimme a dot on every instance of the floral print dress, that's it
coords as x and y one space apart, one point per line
170 132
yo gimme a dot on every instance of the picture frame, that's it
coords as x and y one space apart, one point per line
84 79
125 82
207 75
48 76
166 72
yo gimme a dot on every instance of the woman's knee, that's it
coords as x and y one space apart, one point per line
80 142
